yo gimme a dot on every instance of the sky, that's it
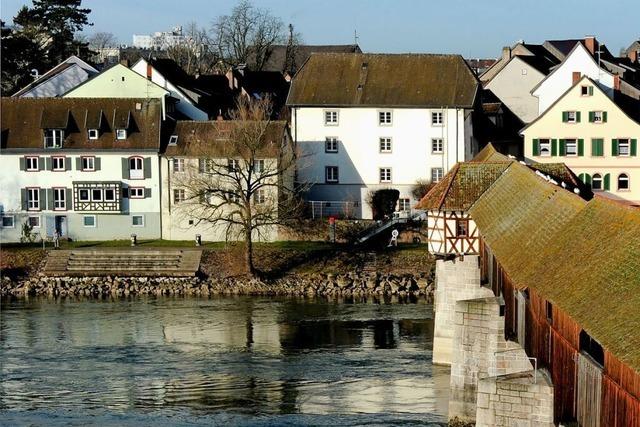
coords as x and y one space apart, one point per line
472 28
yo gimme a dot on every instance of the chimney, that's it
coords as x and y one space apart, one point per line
575 77
506 53
124 62
149 71
633 55
219 117
616 82
590 44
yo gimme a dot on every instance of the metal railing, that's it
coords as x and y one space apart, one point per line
338 209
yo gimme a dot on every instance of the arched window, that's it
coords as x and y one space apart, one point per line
136 168
596 181
623 181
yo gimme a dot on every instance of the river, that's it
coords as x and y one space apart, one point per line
218 361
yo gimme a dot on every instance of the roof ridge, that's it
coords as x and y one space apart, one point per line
454 172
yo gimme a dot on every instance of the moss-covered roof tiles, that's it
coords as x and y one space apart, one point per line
490 154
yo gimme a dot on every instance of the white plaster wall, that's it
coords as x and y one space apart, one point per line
561 79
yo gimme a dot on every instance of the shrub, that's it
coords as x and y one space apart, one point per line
383 203
421 188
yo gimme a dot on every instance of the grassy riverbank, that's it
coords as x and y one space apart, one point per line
274 260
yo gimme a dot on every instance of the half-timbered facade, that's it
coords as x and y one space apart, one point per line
87 168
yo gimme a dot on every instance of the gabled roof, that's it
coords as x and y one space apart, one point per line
72 61
561 48
278 56
489 154
23 120
386 80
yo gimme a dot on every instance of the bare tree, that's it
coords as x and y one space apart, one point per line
197 54
101 40
244 181
247 35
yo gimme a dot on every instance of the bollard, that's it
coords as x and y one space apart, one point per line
134 240
198 240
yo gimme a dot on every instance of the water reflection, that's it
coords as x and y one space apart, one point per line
220 358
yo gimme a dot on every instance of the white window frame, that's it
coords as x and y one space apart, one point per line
33 199
385 144
626 144
173 140
108 190
136 192
233 165
84 199
98 191
259 166
437 118
88 163
260 196
574 144
34 160
437 145
331 174
53 163
121 134
178 165
598 116
137 216
385 118
36 217
13 221
53 138
437 174
93 134
330 144
95 221
331 117
179 195
59 198
386 175
136 168
575 116
546 144
404 204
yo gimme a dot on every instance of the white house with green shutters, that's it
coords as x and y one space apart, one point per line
88 168
594 135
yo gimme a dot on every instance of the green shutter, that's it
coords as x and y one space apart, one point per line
580 147
125 168
565 116
78 163
577 116
536 147
604 117
97 163
23 198
562 148
590 90
49 199
587 179
47 163
614 147
147 167
554 147
67 163
67 198
41 163
594 147
607 183
43 195
634 145
591 116
23 164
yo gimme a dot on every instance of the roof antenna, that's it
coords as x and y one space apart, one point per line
355 36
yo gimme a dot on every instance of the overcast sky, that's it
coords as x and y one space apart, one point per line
473 28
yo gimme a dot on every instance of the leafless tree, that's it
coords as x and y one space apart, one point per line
197 54
101 40
247 35
244 181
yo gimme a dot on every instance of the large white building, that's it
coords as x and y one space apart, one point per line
363 122
88 168
160 40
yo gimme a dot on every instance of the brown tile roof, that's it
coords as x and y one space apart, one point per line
278 55
23 121
197 138
390 80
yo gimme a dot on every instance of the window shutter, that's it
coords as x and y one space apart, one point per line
591 116
554 147
43 195
536 147
23 164
581 147
581 177
594 147
41 163
67 163
590 90
23 198
614 147
67 198
577 116
47 163
50 199
78 163
125 168
147 193
565 116
634 146
562 148
604 117
97 163
147 167
607 181
587 179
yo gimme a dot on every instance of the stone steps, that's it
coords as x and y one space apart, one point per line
122 262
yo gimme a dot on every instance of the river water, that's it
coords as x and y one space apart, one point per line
219 361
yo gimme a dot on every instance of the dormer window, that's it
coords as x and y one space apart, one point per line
93 133
53 138
173 140
121 134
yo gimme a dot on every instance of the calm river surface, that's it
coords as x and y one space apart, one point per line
220 361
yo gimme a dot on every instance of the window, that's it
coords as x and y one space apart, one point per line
260 196
462 228
623 182
436 118
331 174
385 174
233 165
596 181
136 168
31 164
437 146
33 199
137 220
88 164
57 164
83 194
623 147
234 198
584 90
178 165
93 133
53 138
384 118
258 165
121 134
524 71
179 195
597 117
59 198
109 195
549 311
404 204
34 221
571 116
331 144
96 195
436 174
544 147
385 144
591 347
136 192
571 147
331 117
173 140
8 221
89 220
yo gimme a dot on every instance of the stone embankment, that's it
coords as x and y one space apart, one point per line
352 284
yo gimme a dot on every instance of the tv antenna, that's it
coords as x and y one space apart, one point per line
355 36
